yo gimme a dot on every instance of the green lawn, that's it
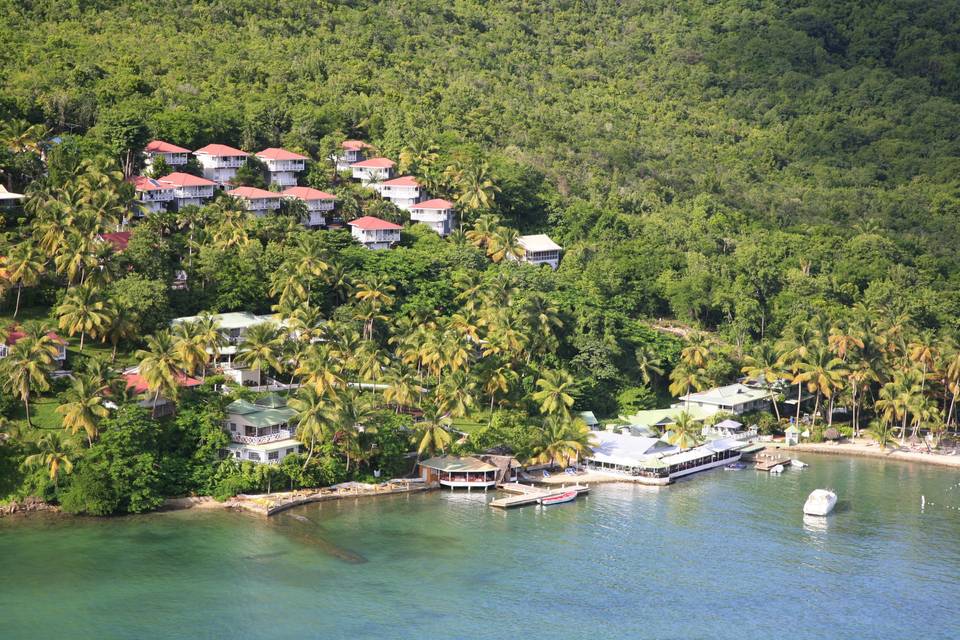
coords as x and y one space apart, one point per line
43 413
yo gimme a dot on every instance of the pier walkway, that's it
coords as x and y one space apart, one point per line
524 494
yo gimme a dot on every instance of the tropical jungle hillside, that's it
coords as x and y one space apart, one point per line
738 186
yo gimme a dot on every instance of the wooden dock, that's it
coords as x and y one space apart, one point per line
524 494
768 461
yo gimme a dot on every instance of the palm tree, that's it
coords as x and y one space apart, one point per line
377 295
649 363
190 348
561 440
431 430
53 453
24 266
209 335
160 366
684 433
84 406
27 366
764 365
475 188
698 351
122 327
556 392
456 395
84 311
898 397
882 432
497 379
316 418
355 411
484 231
822 373
505 244
321 370
260 347
402 387
685 378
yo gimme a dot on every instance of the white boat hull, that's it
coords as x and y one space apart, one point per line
820 503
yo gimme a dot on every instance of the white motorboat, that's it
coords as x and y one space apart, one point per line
820 502
777 469
799 464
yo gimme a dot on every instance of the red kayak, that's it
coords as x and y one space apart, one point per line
558 499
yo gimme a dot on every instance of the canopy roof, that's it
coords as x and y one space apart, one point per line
259 415
627 450
730 395
457 464
9 195
538 243
728 424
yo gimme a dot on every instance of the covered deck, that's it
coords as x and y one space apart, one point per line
459 472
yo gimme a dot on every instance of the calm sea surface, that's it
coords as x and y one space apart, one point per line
721 555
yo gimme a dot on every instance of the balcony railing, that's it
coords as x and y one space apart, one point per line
282 434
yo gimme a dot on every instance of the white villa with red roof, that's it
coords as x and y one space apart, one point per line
118 240
15 334
152 195
374 233
283 165
436 214
188 189
172 154
318 204
373 170
157 405
353 151
220 162
404 191
259 202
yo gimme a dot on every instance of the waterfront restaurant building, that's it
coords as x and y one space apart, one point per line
459 472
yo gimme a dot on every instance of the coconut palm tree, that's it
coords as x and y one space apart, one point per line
24 265
85 311
505 244
28 365
210 336
698 350
685 378
260 348
54 453
881 431
474 185
562 439
684 433
497 379
484 231
316 418
431 431
122 327
160 366
320 370
189 347
555 395
649 363
456 395
355 411
764 365
403 389
84 406
898 397
822 373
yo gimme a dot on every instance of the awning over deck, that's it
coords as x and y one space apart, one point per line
456 464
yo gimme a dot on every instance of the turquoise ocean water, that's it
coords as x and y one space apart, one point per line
721 555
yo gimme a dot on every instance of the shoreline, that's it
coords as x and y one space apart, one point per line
868 449
268 504
264 504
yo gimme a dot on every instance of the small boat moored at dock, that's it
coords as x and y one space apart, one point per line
735 466
777 469
568 496
820 502
799 464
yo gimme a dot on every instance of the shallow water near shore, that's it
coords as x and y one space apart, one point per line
725 554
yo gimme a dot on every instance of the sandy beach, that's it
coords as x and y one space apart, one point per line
868 449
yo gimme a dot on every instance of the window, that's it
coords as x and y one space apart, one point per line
273 455
291 450
253 455
233 427
236 454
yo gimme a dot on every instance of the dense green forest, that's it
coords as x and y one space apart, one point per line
781 175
